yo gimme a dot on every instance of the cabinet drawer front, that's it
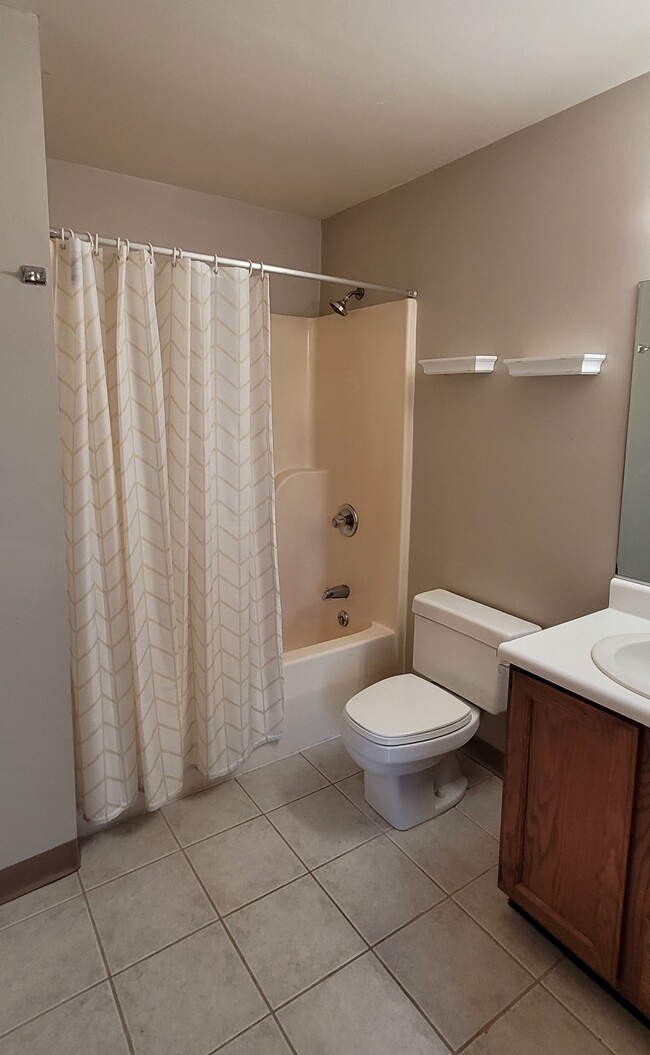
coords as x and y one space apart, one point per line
567 809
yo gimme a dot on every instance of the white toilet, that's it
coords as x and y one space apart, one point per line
404 731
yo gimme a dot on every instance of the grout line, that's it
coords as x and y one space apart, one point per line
118 1006
283 758
284 1034
411 999
309 873
237 1036
503 947
130 871
574 1015
449 893
289 802
316 766
342 911
40 911
408 922
122 970
470 881
53 1007
243 1033
478 825
324 978
213 835
310 868
504 1011
247 793
383 830
238 951
163 948
253 901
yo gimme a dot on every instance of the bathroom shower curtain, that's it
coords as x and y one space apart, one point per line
165 417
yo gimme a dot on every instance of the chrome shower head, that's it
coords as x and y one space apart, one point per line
341 306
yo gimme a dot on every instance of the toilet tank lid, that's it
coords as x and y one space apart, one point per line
471 618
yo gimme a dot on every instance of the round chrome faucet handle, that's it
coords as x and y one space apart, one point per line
346 520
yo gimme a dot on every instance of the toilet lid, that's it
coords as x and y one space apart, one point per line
405 709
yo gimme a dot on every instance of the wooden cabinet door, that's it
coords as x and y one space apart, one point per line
568 795
634 962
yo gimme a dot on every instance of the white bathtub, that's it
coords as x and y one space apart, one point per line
319 680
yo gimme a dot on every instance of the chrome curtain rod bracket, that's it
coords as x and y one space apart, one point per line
248 265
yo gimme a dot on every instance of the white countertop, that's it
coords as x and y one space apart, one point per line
562 654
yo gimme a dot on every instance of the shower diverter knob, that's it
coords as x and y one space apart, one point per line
346 520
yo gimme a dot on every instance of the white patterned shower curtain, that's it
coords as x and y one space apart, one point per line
165 416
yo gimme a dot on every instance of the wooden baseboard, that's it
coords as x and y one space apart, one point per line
486 755
38 871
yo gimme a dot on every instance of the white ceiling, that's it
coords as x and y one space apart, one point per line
314 105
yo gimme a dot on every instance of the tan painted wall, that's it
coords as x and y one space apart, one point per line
113 204
37 808
533 245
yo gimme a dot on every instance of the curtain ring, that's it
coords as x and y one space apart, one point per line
216 265
250 268
72 234
150 248
118 240
128 247
94 243
175 254
262 271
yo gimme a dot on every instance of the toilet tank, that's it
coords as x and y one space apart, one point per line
455 645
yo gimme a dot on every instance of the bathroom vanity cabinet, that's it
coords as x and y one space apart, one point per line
575 832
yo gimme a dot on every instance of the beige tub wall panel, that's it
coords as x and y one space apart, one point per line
302 523
363 392
292 380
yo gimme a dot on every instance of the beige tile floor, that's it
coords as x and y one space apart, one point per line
278 914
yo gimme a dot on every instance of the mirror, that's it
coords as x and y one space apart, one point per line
634 533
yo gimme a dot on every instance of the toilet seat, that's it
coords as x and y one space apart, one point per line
406 709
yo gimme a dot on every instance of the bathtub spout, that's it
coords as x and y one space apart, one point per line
337 592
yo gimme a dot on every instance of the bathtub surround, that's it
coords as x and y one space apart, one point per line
37 814
111 203
165 415
342 406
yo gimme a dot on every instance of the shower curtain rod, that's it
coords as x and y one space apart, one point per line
249 265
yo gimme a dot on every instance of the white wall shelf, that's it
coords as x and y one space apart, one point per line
550 366
464 364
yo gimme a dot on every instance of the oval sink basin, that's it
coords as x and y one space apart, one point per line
625 658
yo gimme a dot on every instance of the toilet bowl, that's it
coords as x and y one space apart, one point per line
404 731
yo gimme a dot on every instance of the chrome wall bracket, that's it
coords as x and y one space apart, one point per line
33 276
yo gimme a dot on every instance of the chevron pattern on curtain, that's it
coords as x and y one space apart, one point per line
167 457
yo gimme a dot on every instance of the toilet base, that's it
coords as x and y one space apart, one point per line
412 798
